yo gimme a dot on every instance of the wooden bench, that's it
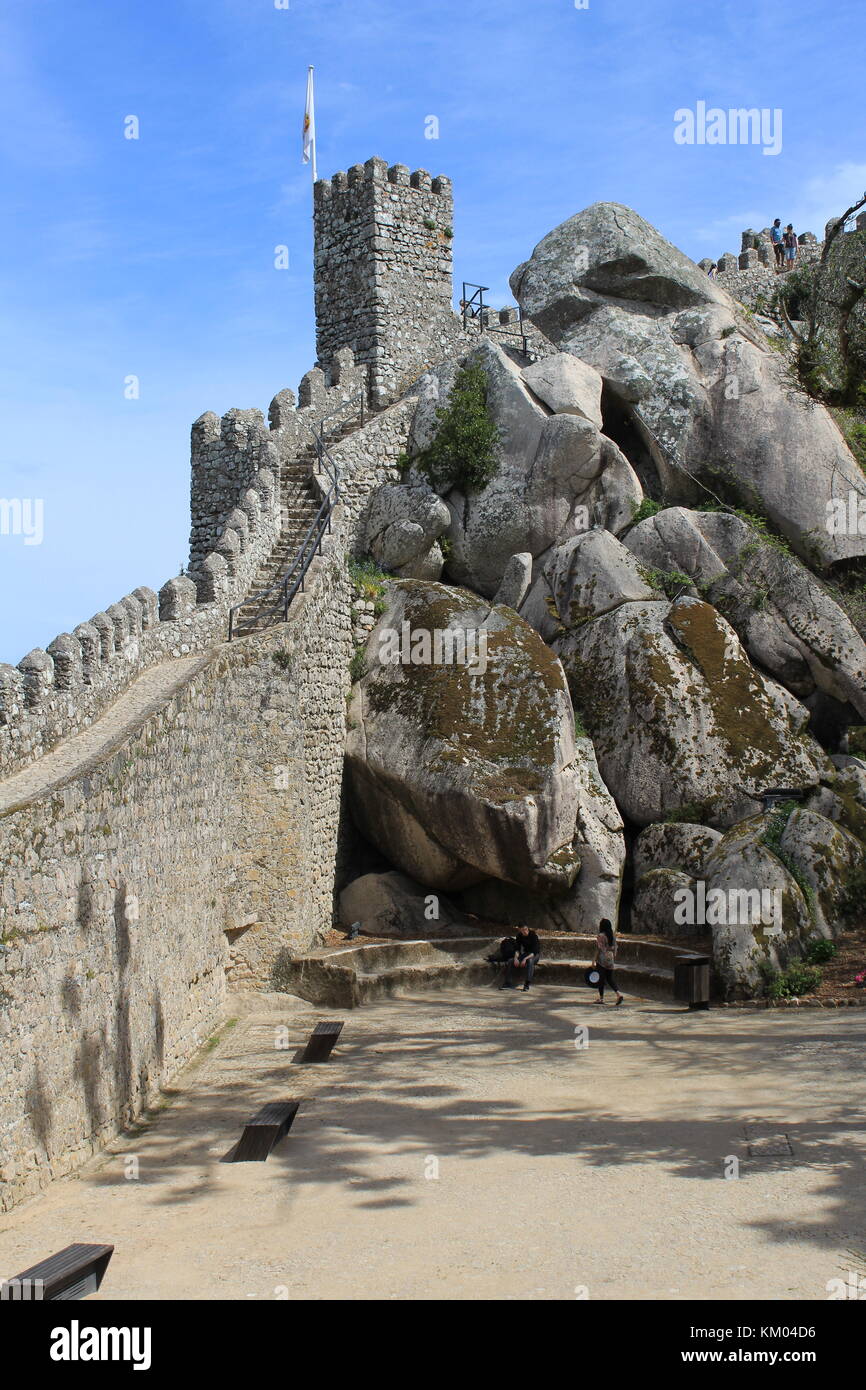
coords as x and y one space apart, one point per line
264 1130
73 1272
321 1041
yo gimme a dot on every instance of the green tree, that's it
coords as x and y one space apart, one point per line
463 451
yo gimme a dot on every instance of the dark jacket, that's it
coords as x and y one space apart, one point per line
528 945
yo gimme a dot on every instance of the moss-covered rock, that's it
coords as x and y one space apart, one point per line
455 772
678 715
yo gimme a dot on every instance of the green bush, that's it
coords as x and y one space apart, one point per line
358 663
818 952
793 983
671 582
647 508
463 452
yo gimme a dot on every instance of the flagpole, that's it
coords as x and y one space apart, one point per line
312 118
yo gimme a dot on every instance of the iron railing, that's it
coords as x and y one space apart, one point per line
293 580
475 311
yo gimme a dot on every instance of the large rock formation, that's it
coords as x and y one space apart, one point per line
557 474
460 772
785 618
391 904
710 401
680 717
706 661
756 911
598 844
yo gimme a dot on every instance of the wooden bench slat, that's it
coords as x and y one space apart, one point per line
72 1273
266 1128
321 1041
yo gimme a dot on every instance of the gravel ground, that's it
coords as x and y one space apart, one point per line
459 1145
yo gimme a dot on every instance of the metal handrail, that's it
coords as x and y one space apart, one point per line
475 310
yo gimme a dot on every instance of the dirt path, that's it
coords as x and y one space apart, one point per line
460 1146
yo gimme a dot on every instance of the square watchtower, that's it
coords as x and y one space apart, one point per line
383 272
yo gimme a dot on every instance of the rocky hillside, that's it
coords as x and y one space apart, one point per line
640 702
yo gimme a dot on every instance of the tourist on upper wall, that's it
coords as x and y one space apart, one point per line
790 246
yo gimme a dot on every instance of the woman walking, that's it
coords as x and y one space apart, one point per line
605 960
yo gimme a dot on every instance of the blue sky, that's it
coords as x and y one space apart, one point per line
154 257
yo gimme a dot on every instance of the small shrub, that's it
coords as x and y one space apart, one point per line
429 224
403 463
283 660
449 232
647 508
671 582
368 579
793 983
358 663
821 950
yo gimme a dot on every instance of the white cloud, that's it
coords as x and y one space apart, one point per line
825 197
809 207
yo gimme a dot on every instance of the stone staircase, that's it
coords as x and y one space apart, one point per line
299 506
347 976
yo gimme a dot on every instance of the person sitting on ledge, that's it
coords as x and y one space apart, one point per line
526 958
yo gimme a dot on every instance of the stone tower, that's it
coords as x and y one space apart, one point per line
383 272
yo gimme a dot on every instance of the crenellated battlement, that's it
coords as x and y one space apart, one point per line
239 464
333 393
378 171
750 275
60 690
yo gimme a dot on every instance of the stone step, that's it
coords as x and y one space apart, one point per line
348 976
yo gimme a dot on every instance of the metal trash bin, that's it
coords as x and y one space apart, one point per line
692 981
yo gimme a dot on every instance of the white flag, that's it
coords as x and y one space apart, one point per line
310 123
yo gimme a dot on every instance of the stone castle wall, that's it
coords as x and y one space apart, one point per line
204 851
383 267
237 468
751 276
